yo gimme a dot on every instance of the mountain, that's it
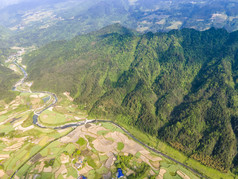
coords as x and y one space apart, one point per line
40 22
179 86
7 79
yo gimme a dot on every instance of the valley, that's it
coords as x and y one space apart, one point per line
101 88
57 140
154 83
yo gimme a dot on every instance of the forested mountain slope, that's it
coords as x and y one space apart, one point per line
180 86
7 80
7 77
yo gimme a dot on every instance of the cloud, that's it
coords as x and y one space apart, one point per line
132 2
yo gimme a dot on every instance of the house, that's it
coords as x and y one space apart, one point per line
80 160
79 163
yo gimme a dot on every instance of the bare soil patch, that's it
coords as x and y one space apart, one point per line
67 94
103 145
64 158
62 170
183 175
48 170
85 170
2 173
161 174
4 156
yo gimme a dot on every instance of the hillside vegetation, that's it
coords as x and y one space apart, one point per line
180 86
7 79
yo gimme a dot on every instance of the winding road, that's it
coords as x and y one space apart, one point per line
37 114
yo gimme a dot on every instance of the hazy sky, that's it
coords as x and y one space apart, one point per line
7 2
4 3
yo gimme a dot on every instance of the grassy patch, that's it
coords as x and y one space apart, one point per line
70 148
120 146
6 128
102 170
94 150
103 157
90 139
57 163
138 154
44 141
81 141
210 172
18 157
60 177
23 170
110 138
46 175
102 132
72 172
3 118
53 148
29 121
91 162
52 118
92 174
34 149
111 127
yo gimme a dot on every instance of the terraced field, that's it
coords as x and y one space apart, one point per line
92 150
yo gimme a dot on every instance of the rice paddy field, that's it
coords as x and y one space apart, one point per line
19 138
96 151
92 150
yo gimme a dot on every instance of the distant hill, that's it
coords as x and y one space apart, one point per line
180 86
40 22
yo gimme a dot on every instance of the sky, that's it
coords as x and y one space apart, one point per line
4 3
8 2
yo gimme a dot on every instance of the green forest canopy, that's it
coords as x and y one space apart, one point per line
180 86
